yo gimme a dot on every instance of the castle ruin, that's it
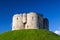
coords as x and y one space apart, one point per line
30 20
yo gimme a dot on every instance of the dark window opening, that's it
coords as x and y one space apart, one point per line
32 18
38 17
17 18
24 24
27 26
39 27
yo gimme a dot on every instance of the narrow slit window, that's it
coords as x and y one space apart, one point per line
27 26
32 18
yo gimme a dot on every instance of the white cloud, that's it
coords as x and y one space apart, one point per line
57 32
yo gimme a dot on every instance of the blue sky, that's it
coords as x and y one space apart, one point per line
49 8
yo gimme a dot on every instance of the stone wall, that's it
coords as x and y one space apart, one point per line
30 20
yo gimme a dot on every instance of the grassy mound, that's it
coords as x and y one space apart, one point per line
29 34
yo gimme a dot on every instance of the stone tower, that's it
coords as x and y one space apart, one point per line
30 20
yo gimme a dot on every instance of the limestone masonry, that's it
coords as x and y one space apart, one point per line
30 20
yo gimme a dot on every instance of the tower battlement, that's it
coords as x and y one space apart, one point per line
30 20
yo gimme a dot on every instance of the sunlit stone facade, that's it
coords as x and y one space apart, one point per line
30 20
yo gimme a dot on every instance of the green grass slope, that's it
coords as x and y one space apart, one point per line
29 34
